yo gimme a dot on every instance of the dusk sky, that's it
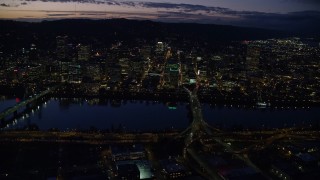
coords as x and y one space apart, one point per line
255 13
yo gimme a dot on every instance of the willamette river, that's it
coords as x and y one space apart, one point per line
67 114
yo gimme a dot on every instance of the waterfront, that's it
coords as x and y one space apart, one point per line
147 116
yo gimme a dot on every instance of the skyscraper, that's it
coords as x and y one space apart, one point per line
172 74
83 52
33 54
62 49
252 58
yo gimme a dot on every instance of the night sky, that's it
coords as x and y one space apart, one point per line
276 14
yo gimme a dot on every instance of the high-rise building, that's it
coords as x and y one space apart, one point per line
64 70
62 48
201 69
146 52
33 54
253 57
114 73
74 75
125 67
172 74
83 53
160 47
35 72
137 65
2 60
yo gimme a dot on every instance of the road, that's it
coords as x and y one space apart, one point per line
198 128
82 137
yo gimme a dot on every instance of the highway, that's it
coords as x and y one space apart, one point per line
81 137
199 128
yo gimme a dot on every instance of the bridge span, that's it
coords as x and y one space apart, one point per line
198 126
26 103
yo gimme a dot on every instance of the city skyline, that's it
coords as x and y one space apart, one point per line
274 14
105 89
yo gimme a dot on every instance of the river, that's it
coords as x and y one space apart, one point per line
81 114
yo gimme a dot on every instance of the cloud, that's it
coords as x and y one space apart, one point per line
173 12
129 4
174 6
184 7
76 1
92 13
8 5
302 22
4 5
60 15
303 1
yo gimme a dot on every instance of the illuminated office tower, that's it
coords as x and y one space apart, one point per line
172 74
137 65
160 47
83 52
33 54
92 72
146 52
125 67
253 56
62 48
74 74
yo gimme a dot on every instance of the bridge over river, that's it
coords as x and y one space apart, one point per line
26 103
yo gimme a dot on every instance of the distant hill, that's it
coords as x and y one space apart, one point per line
123 29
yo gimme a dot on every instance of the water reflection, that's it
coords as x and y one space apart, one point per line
81 114
137 115
6 103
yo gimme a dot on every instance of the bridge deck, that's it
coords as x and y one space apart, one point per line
11 110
